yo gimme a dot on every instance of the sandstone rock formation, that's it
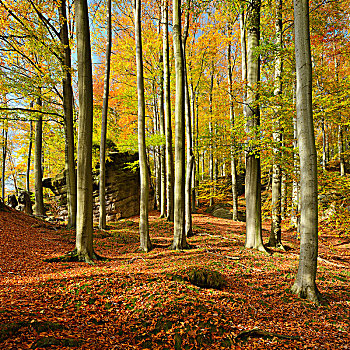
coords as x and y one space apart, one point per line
122 188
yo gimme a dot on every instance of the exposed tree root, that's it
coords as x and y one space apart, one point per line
308 292
74 257
135 258
256 332
145 249
185 246
278 245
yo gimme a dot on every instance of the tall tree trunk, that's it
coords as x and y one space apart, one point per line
71 178
156 152
29 157
38 170
179 241
211 137
167 117
324 148
283 194
242 26
145 241
341 150
275 233
195 142
162 132
305 285
253 170
188 121
295 213
102 186
4 154
84 230
233 146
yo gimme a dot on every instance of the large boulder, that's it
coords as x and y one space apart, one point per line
223 211
25 203
122 188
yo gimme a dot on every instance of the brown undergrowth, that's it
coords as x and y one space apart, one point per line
138 301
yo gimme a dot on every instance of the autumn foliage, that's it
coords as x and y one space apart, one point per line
139 301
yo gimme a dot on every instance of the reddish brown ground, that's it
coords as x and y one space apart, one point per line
133 300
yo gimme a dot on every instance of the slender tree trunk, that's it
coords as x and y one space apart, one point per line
253 170
188 121
283 194
305 285
242 25
71 178
162 147
156 152
167 117
211 138
84 230
102 184
275 233
38 170
4 154
145 241
324 148
233 146
194 149
179 241
341 150
295 213
29 157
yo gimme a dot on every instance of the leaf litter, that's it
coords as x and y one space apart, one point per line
147 301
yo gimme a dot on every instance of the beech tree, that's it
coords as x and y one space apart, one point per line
167 116
305 285
67 96
4 154
38 173
84 230
102 184
252 112
232 120
145 241
179 241
275 234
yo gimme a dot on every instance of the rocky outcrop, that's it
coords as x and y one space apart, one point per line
122 188
223 211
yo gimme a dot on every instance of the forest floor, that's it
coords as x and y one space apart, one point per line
137 301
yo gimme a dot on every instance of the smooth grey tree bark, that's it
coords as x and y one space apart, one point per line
253 170
84 227
145 241
179 241
71 178
162 132
189 138
4 155
283 194
38 171
156 151
167 116
211 138
305 285
30 146
102 183
341 150
295 207
275 239
324 142
230 65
